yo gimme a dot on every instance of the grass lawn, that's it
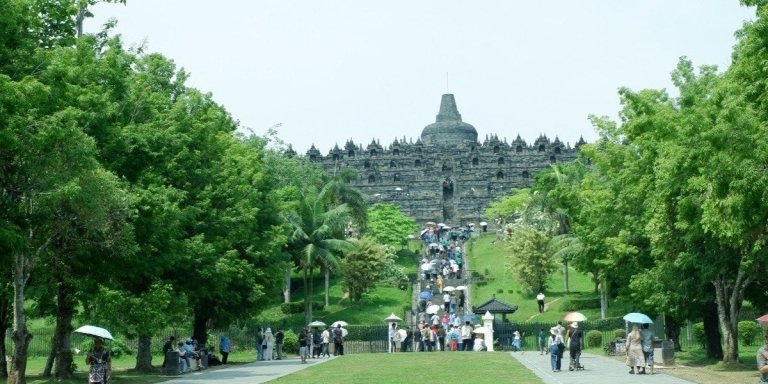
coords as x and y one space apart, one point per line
485 256
398 368
122 370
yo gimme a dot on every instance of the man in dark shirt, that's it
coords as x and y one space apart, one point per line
338 341
303 343
575 341
279 336
167 347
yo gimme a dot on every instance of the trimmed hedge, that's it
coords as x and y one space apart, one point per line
619 333
578 303
749 331
298 307
594 339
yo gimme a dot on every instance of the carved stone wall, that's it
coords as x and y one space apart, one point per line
449 177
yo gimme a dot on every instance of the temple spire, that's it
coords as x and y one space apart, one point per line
448 109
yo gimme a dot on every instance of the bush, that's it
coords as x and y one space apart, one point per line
117 347
748 332
298 307
698 334
594 339
579 303
290 342
619 333
500 290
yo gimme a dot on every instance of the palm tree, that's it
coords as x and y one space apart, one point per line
317 237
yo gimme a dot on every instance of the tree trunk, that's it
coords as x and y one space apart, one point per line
311 290
65 309
603 299
672 331
20 335
729 295
712 335
144 353
307 302
287 284
51 357
200 328
5 305
327 273
565 275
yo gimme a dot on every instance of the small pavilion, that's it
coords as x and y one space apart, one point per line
495 306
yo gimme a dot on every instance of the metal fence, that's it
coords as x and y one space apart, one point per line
370 338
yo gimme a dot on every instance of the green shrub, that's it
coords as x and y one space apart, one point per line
594 339
579 303
298 307
619 333
748 332
500 290
698 334
481 283
117 347
290 342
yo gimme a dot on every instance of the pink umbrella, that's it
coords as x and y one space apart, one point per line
763 320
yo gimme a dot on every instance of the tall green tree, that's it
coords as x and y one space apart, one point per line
389 226
317 237
367 266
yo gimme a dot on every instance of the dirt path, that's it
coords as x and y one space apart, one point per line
546 306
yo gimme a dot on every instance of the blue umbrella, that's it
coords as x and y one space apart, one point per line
469 317
636 317
425 295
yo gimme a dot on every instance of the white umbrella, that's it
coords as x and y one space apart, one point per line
461 288
316 323
403 333
336 323
398 189
393 318
90 330
471 224
433 245
441 225
432 309
449 288
480 330
483 223
344 332
426 267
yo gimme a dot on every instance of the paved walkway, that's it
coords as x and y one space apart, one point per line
251 373
597 370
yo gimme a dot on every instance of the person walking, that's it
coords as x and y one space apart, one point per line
575 341
338 341
540 301
279 336
556 349
647 342
325 340
100 361
260 344
303 343
224 348
542 339
635 358
269 344
762 360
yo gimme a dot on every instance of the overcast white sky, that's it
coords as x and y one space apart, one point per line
334 70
